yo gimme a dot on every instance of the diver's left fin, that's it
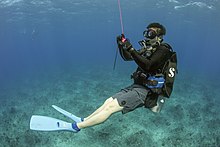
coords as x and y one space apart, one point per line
68 114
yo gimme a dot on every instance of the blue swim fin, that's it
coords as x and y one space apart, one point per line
45 123
68 114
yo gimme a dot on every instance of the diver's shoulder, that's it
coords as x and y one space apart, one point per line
166 46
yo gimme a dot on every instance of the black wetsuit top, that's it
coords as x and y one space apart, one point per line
148 65
152 64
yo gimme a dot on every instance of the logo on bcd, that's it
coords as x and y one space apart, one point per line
171 72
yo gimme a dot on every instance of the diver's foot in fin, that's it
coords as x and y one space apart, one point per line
77 119
75 127
68 126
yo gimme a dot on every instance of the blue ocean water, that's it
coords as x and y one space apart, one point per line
62 52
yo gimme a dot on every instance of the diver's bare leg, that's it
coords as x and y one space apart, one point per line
100 108
102 115
160 103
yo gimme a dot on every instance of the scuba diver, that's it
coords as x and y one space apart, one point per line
153 82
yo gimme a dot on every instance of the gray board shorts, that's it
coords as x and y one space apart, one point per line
131 97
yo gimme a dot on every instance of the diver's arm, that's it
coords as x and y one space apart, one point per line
140 60
125 54
158 57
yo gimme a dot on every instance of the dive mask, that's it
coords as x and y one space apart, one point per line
151 34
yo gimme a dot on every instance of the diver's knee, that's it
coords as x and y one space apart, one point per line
158 107
113 106
108 100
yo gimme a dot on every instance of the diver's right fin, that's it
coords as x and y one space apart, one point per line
45 123
68 114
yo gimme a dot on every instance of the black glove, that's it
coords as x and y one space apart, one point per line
123 42
120 38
